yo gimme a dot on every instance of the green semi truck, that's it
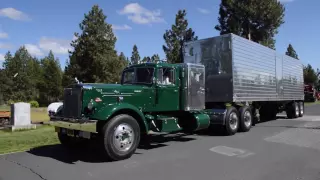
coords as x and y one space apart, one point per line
225 81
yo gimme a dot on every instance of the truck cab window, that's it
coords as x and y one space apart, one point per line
140 76
128 76
144 75
166 76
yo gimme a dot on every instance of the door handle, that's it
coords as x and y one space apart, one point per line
175 90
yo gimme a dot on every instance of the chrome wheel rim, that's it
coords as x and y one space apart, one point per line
297 110
123 137
233 121
247 119
301 109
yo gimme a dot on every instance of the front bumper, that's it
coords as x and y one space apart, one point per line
75 124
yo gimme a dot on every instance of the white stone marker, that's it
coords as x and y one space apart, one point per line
21 116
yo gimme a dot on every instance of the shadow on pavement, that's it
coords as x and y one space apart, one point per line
91 153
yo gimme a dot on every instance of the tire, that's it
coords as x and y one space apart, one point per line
231 121
301 109
114 130
292 110
246 119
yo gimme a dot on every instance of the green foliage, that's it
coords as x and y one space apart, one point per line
94 58
10 102
155 58
291 52
50 86
253 19
146 59
34 104
135 57
309 75
176 36
20 76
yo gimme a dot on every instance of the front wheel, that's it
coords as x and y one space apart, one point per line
121 136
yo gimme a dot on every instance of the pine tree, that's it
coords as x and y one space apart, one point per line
155 58
291 52
252 19
51 85
309 75
176 36
135 57
19 70
146 59
94 58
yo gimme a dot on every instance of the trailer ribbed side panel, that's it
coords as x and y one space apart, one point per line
293 83
239 70
254 71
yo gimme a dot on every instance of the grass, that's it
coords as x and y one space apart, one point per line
37 114
311 103
27 139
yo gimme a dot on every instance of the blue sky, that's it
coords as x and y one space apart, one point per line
45 25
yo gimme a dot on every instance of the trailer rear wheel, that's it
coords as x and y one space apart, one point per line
245 119
301 109
121 136
292 110
231 121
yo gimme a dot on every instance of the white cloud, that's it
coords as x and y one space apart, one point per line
45 44
3 35
141 15
121 27
5 46
33 50
203 11
14 14
1 57
57 46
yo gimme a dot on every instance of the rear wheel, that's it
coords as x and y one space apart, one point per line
292 110
245 119
121 136
301 109
231 121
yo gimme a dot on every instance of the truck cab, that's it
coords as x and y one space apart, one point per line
159 97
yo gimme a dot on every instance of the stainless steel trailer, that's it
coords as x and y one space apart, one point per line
239 70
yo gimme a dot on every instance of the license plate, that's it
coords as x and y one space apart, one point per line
70 132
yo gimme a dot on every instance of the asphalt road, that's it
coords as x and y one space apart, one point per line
281 149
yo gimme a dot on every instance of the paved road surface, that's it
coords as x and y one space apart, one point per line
281 149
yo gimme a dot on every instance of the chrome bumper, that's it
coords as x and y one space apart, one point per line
87 126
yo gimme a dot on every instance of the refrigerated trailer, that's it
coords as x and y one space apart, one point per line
225 81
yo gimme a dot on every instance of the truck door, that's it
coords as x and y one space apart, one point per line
167 90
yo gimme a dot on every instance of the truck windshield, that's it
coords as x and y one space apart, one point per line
138 76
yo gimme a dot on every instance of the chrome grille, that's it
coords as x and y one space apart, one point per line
72 102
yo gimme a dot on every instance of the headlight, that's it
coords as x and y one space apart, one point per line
90 105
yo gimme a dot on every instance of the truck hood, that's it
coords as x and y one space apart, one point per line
111 88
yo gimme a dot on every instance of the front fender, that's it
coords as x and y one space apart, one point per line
106 112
